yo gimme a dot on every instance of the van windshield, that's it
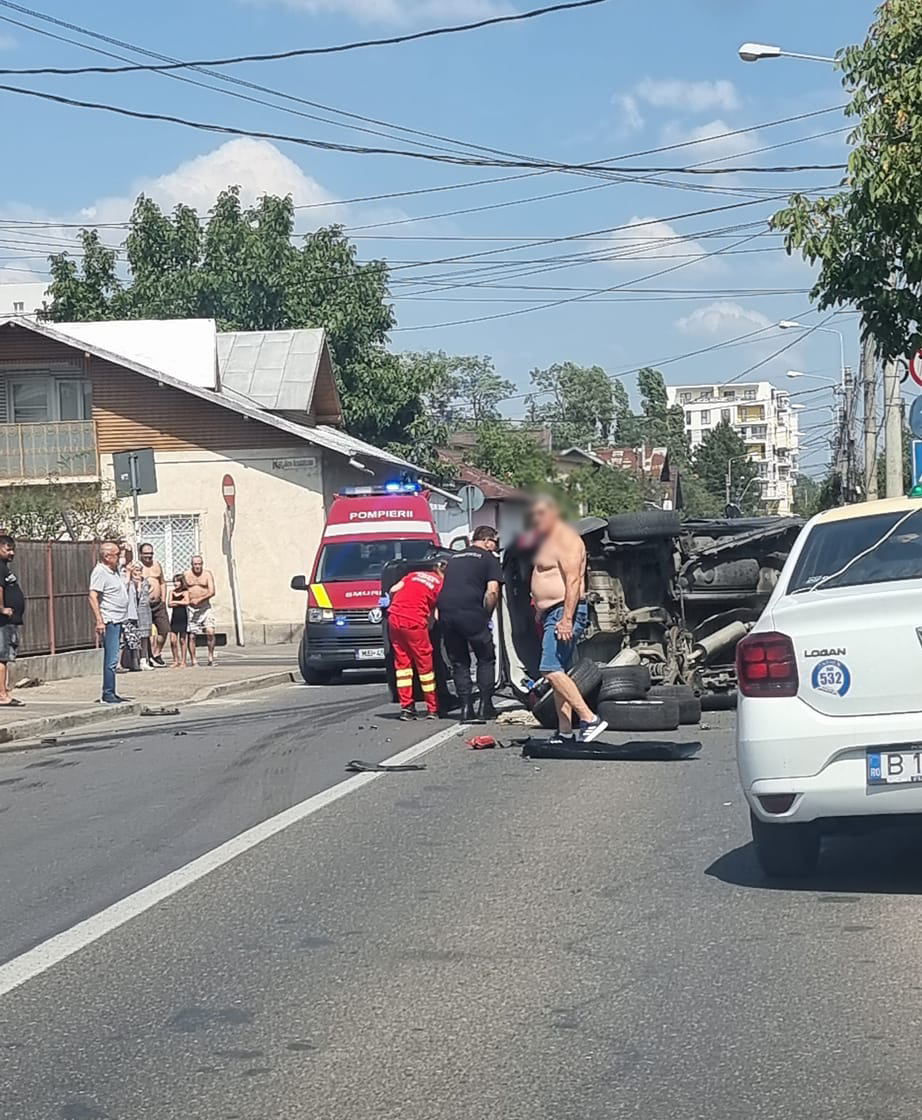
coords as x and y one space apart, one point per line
879 549
348 561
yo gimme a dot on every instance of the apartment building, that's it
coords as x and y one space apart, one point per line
762 416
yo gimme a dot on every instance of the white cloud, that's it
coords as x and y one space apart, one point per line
654 241
631 117
7 43
257 166
401 12
722 319
712 141
695 97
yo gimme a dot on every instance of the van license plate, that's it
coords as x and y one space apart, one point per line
889 768
370 654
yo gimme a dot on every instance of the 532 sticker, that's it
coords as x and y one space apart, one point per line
831 676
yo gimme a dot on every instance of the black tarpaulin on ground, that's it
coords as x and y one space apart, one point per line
631 751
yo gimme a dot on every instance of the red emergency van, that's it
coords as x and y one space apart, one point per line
367 526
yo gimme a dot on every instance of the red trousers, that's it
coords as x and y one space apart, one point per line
413 650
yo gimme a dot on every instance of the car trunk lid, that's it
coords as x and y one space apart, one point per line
859 650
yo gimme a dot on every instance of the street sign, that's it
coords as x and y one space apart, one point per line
229 490
915 417
916 461
472 498
135 472
915 367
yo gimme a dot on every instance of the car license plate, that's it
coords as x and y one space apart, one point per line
370 654
889 768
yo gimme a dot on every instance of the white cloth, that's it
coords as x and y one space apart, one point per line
201 618
113 594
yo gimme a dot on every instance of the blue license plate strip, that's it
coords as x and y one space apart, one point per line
896 766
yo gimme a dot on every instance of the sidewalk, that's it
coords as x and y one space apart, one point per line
59 705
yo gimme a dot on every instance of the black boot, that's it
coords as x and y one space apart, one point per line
468 714
486 712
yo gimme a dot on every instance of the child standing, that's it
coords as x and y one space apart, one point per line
179 624
409 616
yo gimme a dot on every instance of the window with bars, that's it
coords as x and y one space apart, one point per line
175 538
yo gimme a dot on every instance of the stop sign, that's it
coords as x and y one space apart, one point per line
229 490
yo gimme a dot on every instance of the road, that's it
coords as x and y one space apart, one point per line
490 937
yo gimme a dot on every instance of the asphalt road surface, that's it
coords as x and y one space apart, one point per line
488 938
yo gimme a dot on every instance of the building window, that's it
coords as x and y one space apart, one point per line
688 419
705 417
18 307
42 400
175 538
725 416
729 395
749 394
685 397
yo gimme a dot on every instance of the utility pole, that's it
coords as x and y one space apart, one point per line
869 384
845 439
893 430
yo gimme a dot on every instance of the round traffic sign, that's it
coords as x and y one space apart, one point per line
229 490
915 417
472 498
915 367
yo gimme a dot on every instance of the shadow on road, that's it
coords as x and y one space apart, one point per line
886 862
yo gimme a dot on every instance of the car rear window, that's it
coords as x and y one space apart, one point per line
879 549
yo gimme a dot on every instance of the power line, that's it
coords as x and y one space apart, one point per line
298 52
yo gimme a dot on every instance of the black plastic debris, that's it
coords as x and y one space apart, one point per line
634 751
159 711
356 766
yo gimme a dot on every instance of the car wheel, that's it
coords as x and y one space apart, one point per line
650 526
624 682
785 851
688 700
719 701
587 677
640 715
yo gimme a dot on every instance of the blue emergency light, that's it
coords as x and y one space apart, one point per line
401 486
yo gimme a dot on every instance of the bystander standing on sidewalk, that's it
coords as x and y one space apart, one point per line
200 583
182 642
153 572
109 604
12 610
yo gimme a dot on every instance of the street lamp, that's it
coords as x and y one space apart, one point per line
793 373
756 52
733 459
790 325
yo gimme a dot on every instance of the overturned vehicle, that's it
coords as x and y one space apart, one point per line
671 597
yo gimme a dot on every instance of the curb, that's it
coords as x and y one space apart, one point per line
10 737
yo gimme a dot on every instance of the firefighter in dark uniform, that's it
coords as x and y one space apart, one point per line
466 603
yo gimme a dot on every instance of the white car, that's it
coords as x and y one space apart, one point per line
829 725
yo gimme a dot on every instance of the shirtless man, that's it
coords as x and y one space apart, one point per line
200 583
558 585
153 573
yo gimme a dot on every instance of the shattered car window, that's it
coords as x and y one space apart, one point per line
882 548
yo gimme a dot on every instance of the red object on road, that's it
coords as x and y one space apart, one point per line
482 743
229 490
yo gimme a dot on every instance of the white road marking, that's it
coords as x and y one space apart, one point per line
63 945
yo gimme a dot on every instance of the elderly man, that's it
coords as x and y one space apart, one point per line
12 609
200 584
558 589
109 604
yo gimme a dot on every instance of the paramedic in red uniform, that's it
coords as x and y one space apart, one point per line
412 601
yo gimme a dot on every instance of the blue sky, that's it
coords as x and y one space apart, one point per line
580 86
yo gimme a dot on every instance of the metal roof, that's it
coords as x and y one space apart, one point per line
275 369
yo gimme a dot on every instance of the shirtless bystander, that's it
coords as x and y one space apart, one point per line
200 583
558 589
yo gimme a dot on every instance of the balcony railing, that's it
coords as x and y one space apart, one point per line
64 449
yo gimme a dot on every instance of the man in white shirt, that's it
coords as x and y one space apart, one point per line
109 604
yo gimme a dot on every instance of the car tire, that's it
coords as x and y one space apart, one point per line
587 677
649 526
688 700
785 851
640 715
719 701
624 682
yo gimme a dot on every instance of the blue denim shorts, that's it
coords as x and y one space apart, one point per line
557 656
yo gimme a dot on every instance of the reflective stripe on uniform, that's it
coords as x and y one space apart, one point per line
427 676
320 594
428 687
404 674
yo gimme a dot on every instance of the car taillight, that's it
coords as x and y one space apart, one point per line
766 666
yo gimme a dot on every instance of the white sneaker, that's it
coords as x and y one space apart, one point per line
591 731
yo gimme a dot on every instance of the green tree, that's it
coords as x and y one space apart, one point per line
602 491
242 267
720 450
657 425
49 512
867 237
512 455
806 495
581 411
461 390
